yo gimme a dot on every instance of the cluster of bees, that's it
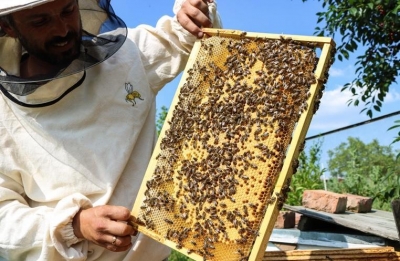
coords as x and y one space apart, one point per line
223 151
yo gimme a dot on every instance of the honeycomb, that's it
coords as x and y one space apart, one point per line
217 174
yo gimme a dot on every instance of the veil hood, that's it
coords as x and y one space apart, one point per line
103 34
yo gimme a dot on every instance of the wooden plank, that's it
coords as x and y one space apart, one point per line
380 253
386 215
319 41
322 239
377 222
396 214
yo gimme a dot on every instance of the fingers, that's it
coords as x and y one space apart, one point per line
120 236
118 220
114 212
106 226
118 243
119 228
193 15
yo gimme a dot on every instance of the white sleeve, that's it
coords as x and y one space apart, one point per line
61 231
165 48
36 233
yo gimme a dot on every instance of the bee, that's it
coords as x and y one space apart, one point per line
132 95
240 252
168 221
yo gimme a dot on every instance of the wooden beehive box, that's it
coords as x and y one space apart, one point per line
221 169
366 254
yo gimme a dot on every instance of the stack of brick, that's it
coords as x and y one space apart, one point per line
325 201
336 203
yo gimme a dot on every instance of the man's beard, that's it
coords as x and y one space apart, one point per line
55 58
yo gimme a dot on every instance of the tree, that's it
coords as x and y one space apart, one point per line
354 154
162 115
369 170
308 175
375 25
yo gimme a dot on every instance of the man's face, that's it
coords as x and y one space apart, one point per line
50 32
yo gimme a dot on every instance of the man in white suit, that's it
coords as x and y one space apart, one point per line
77 123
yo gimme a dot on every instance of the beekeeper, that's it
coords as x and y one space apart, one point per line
77 123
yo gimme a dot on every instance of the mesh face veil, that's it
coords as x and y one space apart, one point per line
103 33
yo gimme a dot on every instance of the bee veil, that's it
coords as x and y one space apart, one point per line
103 33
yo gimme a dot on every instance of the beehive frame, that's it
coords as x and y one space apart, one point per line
221 169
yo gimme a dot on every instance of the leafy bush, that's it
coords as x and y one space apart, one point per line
308 175
176 256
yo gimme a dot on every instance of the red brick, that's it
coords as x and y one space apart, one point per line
359 204
325 201
286 219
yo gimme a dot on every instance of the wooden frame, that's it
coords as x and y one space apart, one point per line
291 154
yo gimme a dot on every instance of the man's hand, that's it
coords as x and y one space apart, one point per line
193 15
105 226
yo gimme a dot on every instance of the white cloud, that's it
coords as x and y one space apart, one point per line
335 102
334 111
336 72
392 96
341 72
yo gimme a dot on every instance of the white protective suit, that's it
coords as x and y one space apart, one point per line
91 148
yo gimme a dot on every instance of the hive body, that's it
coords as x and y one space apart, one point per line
222 166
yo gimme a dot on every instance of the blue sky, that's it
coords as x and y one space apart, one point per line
283 17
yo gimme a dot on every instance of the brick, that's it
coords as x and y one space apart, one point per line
297 218
307 223
326 201
286 219
359 204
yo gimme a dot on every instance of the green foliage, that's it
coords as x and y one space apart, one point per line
354 154
161 119
397 139
369 170
176 256
373 24
308 175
